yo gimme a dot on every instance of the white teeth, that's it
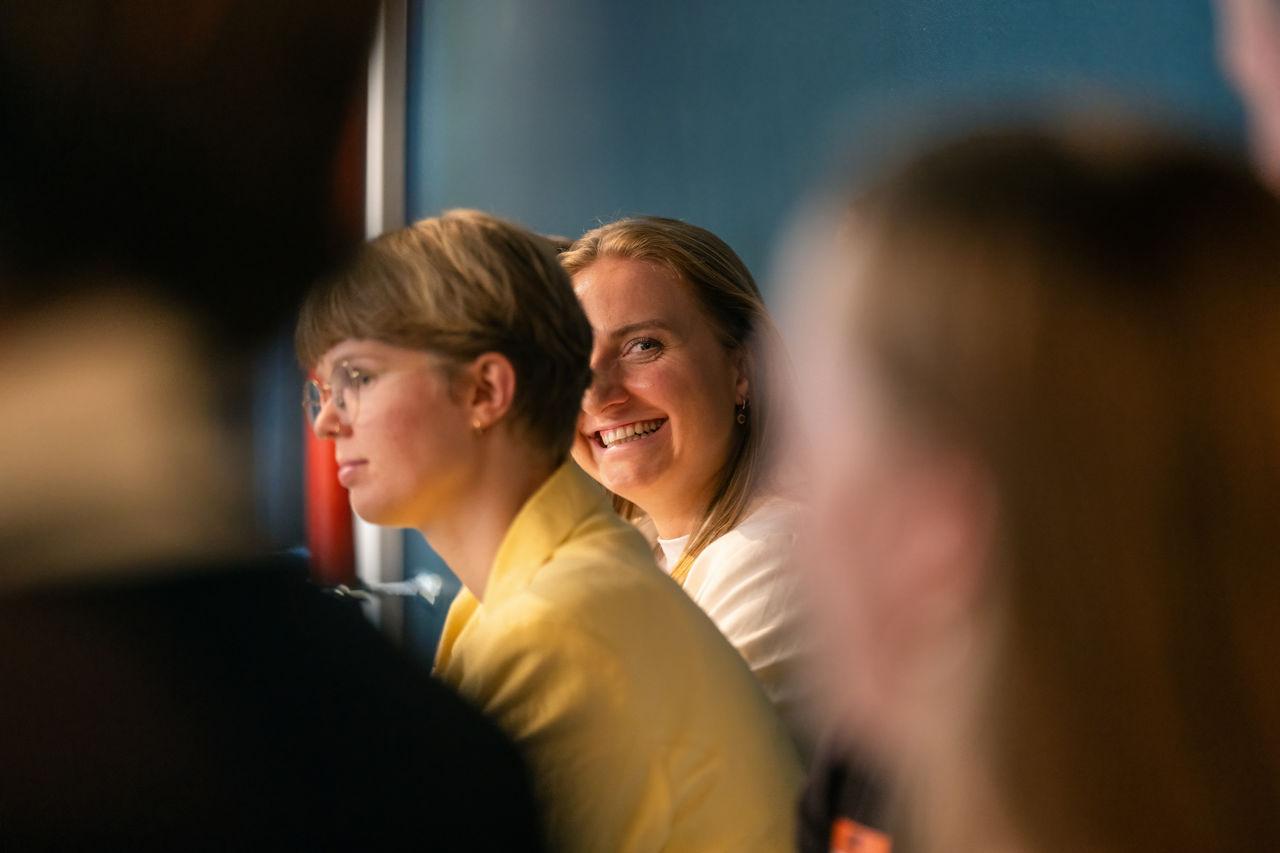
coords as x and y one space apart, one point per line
630 432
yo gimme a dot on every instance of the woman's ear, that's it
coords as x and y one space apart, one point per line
742 364
492 389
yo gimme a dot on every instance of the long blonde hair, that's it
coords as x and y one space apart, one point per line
1095 316
732 304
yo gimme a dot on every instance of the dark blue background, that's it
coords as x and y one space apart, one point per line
564 113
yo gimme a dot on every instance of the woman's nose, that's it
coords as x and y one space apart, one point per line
606 389
327 426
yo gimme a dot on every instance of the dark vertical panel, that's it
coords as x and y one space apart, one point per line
277 443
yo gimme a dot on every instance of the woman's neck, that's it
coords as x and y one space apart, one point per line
468 537
950 798
677 515
674 524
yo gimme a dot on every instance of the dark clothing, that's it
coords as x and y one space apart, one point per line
236 707
842 801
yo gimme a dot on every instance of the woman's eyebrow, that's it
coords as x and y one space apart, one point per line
355 353
622 331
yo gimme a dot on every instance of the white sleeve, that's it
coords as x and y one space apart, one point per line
748 589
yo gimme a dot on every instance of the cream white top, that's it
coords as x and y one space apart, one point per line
745 583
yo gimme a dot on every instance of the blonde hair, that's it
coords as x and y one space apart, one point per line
1096 317
462 284
731 302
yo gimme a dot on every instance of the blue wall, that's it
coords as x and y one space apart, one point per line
563 113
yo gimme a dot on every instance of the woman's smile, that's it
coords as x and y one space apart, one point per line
633 433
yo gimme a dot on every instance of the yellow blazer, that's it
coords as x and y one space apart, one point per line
644 728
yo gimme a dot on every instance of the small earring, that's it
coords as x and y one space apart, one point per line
742 411
478 428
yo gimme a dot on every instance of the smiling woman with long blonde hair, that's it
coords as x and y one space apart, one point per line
680 423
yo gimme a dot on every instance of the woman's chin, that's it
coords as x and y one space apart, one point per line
372 511
628 481
366 515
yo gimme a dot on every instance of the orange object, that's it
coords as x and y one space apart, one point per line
330 536
848 836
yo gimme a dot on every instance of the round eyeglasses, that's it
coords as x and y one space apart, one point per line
343 388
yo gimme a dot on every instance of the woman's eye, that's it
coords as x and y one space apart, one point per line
644 346
359 378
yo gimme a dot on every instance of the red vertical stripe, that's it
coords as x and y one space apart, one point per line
330 536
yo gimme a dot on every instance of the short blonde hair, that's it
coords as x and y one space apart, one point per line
462 284
727 293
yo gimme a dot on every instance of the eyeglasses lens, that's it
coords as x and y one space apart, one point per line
344 393
312 400
342 387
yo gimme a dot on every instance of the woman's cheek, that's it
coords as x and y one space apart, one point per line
581 453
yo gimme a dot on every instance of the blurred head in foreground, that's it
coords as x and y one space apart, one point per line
204 150
1044 374
172 176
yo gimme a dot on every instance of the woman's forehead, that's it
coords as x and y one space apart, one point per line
359 348
620 292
